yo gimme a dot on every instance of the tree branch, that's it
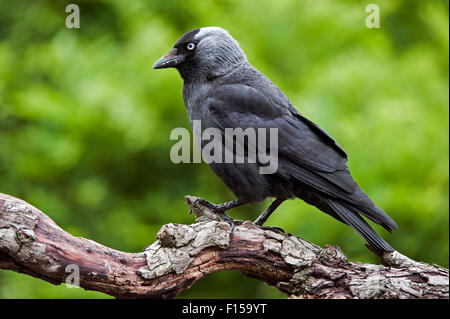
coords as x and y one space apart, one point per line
31 243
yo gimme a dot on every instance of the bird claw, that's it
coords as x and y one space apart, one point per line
205 203
227 219
218 210
276 229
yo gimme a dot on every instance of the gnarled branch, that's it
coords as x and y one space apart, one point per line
31 243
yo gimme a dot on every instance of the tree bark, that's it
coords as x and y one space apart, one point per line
31 243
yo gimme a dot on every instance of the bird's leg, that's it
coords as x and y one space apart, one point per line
269 210
220 209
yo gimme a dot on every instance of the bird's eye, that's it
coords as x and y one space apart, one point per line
190 46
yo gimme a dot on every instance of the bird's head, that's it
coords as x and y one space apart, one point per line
203 54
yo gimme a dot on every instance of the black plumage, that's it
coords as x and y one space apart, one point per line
224 91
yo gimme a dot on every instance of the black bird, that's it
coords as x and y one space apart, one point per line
223 90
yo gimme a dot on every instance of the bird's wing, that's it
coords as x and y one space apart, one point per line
305 151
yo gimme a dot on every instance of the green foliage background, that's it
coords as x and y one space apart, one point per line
85 121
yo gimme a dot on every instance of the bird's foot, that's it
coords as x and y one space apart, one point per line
217 209
227 219
273 228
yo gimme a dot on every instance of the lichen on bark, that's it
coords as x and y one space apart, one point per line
177 245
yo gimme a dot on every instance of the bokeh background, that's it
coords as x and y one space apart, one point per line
85 121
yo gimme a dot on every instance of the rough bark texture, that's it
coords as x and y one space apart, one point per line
31 243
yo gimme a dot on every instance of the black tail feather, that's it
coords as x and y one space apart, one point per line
355 221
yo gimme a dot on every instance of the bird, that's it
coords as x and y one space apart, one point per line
223 90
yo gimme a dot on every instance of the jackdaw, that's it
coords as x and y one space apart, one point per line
223 90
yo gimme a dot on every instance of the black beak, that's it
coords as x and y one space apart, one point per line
170 60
